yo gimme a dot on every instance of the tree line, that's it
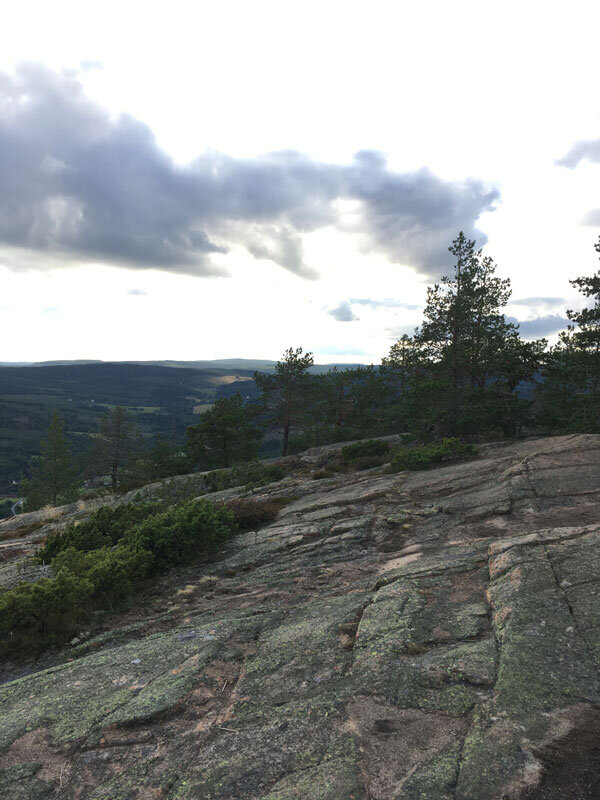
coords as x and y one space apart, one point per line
465 372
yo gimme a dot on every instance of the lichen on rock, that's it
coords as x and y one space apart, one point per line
417 636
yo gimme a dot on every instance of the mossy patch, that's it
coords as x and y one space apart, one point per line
20 783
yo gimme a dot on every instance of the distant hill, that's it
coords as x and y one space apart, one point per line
163 396
252 364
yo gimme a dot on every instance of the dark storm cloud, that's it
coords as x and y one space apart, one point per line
540 326
343 312
79 185
589 150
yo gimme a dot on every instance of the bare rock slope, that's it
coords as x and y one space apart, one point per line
422 636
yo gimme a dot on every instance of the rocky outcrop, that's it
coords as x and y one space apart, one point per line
422 636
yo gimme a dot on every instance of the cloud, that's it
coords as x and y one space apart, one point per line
81 186
137 292
592 218
412 218
540 326
90 64
51 310
589 150
386 303
398 331
549 302
343 312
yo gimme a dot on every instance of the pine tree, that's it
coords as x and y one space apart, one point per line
225 434
52 473
285 393
458 373
570 394
118 436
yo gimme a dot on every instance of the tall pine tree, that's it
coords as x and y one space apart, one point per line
570 394
225 434
285 393
52 473
459 371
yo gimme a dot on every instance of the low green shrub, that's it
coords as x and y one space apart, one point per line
114 573
250 475
173 490
6 508
428 455
34 616
177 535
364 449
135 543
103 529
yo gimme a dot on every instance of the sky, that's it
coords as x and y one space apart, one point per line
192 180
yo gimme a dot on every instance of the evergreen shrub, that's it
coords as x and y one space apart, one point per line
365 449
428 455
177 535
103 529
250 475
101 563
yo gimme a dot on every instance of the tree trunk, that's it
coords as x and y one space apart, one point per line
114 475
286 438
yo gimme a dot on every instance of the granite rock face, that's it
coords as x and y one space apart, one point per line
417 636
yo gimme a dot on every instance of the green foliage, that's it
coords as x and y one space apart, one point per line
249 475
354 458
34 616
101 563
170 492
118 437
345 405
5 508
286 394
448 451
183 532
161 400
458 374
370 447
434 409
52 473
225 434
163 459
104 528
114 573
569 399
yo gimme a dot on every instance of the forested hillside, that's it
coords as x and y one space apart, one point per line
162 400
